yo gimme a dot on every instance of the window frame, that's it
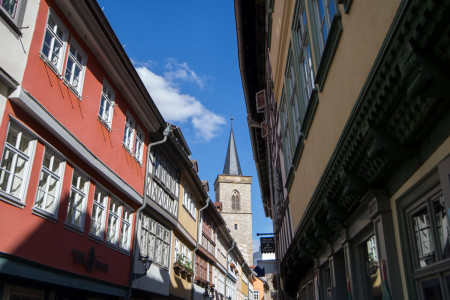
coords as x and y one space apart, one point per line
58 66
105 117
150 237
125 222
84 193
60 178
7 196
139 145
112 233
82 65
129 132
104 208
15 22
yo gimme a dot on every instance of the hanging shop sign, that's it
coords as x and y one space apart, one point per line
267 244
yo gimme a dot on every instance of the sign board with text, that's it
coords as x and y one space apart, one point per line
267 244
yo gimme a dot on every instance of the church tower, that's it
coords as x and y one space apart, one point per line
233 190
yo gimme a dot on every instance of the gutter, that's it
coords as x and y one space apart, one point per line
198 240
144 203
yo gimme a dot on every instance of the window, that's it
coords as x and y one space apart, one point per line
256 295
11 292
54 45
75 68
155 241
303 54
15 165
295 109
47 198
10 7
112 229
12 12
189 203
286 135
106 105
128 135
77 200
183 251
139 145
235 226
235 201
325 11
98 213
125 230
163 187
429 232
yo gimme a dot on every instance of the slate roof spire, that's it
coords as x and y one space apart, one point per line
232 165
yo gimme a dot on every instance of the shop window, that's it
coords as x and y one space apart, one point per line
429 241
22 293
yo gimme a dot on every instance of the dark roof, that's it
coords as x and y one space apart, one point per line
232 165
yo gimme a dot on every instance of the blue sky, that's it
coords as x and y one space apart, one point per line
186 54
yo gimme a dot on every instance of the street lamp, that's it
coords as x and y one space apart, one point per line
208 292
146 263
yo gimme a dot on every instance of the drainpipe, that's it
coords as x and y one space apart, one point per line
228 253
166 133
198 240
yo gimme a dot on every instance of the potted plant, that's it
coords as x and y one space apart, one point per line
178 264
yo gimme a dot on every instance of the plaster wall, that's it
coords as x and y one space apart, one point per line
14 50
364 30
184 218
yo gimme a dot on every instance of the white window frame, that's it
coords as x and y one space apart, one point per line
101 202
128 133
155 241
57 176
17 153
77 89
54 60
189 203
256 294
80 192
16 17
114 217
106 109
139 144
125 228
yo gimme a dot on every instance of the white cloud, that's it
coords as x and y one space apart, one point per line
177 71
178 107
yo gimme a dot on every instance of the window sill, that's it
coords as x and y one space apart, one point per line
50 65
73 228
329 51
11 200
72 89
104 123
96 238
10 22
310 112
290 178
43 214
347 4
139 161
130 151
124 251
189 213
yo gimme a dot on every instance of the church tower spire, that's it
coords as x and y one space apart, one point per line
233 190
232 165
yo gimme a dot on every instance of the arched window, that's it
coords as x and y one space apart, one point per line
235 201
